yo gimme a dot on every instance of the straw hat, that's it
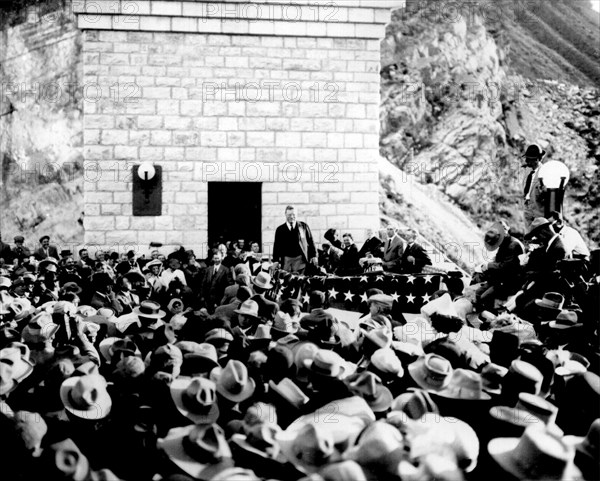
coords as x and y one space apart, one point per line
86 397
196 399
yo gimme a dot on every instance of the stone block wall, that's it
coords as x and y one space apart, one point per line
291 104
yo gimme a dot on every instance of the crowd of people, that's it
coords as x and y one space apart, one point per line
178 368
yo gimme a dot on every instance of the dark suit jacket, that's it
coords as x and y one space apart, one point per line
21 253
349 262
374 245
40 254
305 240
213 285
506 266
6 252
392 254
421 259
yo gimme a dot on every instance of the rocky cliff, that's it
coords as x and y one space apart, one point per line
456 114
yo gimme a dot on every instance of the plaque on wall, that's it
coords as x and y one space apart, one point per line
147 190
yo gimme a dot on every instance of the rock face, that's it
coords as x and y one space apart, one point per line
454 116
40 123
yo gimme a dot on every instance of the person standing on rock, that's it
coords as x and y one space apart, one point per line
533 193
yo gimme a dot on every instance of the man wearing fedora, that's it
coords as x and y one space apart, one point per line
533 190
46 250
267 309
500 277
293 247
216 278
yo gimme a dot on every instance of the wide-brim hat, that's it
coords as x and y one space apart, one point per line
551 301
538 454
259 440
149 309
431 372
194 411
326 363
564 320
494 236
537 223
465 385
72 287
287 390
94 387
16 356
155 262
234 383
180 451
262 280
369 386
248 308
107 347
534 151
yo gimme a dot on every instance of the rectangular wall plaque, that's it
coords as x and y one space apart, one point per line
147 194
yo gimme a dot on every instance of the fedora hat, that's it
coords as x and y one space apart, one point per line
39 329
432 432
64 460
218 335
289 392
259 413
155 262
538 454
196 399
309 447
522 377
21 308
86 397
386 362
262 280
379 445
494 236
491 378
261 338
86 311
248 308
369 386
284 324
234 383
198 357
149 309
5 282
552 301
414 403
259 440
431 372
201 450
113 346
465 385
16 357
564 320
379 338
72 287
442 305
302 352
537 223
326 363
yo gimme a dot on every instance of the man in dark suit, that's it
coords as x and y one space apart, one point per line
216 278
294 247
19 251
46 250
6 255
392 250
349 260
373 244
414 257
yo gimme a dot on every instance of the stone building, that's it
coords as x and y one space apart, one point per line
244 107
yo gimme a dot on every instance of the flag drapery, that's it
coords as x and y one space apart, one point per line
409 292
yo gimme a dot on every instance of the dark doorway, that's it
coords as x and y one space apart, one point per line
234 211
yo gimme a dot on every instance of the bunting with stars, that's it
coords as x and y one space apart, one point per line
409 292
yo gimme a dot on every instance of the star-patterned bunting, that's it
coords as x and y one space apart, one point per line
409 292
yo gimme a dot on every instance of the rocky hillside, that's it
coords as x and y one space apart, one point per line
40 121
457 114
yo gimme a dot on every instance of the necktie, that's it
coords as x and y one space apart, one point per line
528 184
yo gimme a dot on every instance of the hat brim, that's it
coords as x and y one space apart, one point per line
416 371
247 313
448 393
239 442
274 388
159 315
173 448
248 390
99 411
308 363
263 286
178 387
554 310
561 327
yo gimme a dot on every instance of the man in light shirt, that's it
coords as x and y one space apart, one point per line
172 272
574 243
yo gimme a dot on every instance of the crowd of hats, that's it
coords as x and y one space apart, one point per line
169 391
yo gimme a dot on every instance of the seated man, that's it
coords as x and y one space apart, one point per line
415 257
349 260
